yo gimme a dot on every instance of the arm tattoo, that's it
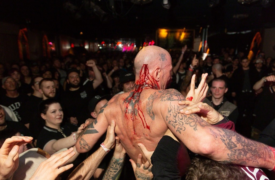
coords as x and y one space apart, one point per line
241 150
84 145
114 169
90 129
102 109
149 105
162 57
171 95
141 176
179 121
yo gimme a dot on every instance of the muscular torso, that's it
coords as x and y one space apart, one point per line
131 128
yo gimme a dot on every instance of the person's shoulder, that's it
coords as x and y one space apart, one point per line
170 95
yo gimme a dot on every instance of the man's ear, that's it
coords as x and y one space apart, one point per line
157 74
94 115
226 89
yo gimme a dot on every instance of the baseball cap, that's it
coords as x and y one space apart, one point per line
93 102
126 77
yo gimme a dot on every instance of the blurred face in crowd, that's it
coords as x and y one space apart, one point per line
98 107
258 65
182 66
35 69
128 86
236 62
56 83
25 71
15 66
216 61
16 76
121 62
54 115
47 74
245 63
48 89
2 116
116 79
57 64
73 79
37 80
218 89
10 85
268 60
208 60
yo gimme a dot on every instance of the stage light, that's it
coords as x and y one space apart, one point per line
166 4
163 33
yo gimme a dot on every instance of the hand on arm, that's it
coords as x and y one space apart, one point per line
54 166
9 156
98 78
141 172
87 168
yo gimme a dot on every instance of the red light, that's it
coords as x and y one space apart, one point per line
72 45
153 42
102 42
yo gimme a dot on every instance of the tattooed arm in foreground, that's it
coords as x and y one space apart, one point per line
204 139
116 164
92 133
87 168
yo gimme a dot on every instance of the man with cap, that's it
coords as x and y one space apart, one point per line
127 80
12 98
95 105
76 98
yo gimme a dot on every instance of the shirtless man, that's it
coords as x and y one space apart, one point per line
144 114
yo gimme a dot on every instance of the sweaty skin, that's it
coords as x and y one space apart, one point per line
144 114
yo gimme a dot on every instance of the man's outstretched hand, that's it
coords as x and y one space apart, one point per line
197 95
9 156
141 171
207 113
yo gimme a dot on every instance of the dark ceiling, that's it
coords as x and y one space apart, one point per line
132 20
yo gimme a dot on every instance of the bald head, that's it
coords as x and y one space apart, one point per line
159 64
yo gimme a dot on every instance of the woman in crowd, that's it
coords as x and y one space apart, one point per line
53 137
23 88
25 71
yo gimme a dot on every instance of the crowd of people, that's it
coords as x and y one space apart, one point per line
173 113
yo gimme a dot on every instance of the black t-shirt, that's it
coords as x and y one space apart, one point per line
18 127
75 103
30 109
14 104
25 89
47 134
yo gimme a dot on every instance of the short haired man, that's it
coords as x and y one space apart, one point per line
219 102
75 100
47 88
12 98
127 81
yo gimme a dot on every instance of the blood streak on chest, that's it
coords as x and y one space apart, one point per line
133 109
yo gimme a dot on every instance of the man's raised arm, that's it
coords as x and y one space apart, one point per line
215 143
92 133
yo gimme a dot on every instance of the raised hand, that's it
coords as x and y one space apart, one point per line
54 166
90 63
110 137
197 95
141 172
184 49
195 61
9 156
206 112
270 78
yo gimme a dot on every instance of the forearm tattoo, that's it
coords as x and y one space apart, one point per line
84 145
141 176
241 150
114 169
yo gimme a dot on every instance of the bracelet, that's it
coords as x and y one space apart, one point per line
190 69
74 137
273 151
104 147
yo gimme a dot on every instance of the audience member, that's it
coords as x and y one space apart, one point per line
127 81
47 88
61 72
12 98
219 102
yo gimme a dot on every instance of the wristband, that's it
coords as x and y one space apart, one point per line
190 69
104 148
74 137
273 151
